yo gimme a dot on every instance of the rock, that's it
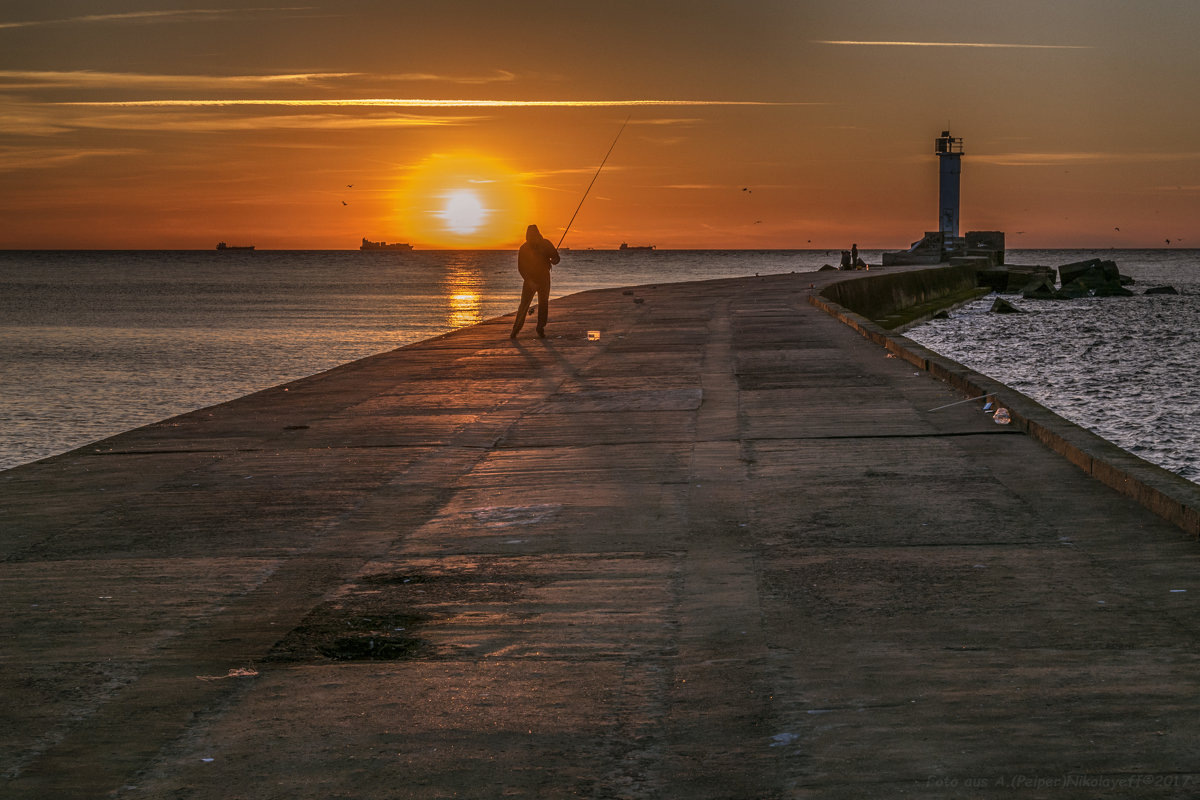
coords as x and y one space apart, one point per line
1039 289
1161 290
827 268
1011 277
1067 273
941 315
1092 278
1112 290
1002 306
1072 291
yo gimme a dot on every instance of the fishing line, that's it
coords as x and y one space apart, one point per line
597 175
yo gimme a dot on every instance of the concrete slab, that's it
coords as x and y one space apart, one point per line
727 550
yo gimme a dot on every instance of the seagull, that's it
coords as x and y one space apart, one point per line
345 203
758 222
1116 229
349 185
747 189
1168 241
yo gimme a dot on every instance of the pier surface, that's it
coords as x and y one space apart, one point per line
726 550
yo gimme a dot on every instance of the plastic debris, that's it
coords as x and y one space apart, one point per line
1002 417
593 336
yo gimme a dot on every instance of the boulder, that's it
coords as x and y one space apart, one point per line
1072 291
1039 289
1069 272
1161 290
827 268
1113 289
1002 306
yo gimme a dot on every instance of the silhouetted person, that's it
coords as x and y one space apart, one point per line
534 260
854 254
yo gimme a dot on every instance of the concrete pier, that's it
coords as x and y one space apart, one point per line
727 550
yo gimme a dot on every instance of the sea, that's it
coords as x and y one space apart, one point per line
98 342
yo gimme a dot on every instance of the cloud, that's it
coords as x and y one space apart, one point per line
142 17
1060 159
87 79
425 103
39 119
958 44
498 76
14 158
667 121
187 123
90 79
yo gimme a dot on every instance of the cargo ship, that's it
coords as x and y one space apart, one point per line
625 246
223 246
367 244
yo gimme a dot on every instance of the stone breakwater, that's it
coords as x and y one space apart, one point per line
1166 494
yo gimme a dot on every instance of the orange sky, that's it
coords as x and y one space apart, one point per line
760 124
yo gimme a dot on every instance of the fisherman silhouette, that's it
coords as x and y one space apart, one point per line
534 260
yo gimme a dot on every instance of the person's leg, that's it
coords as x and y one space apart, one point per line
543 292
527 290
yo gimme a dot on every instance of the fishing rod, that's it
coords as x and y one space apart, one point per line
597 175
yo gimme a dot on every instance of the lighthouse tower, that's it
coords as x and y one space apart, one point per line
949 152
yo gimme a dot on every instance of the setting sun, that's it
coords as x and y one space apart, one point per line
464 212
463 200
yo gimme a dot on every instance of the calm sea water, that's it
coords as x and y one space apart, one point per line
95 343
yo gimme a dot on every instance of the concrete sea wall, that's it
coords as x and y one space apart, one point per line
895 300
862 301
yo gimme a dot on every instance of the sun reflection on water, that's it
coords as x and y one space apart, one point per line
462 288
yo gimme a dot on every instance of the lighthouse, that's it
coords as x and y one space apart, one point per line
944 244
949 152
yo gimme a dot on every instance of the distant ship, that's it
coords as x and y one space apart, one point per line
636 247
367 244
223 246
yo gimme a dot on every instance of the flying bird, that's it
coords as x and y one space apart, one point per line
747 189
349 185
345 203
1116 229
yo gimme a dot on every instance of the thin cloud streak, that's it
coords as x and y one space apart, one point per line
179 15
88 79
958 44
424 103
1059 159
182 123
14 158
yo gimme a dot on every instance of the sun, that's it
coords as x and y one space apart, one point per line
463 200
464 212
